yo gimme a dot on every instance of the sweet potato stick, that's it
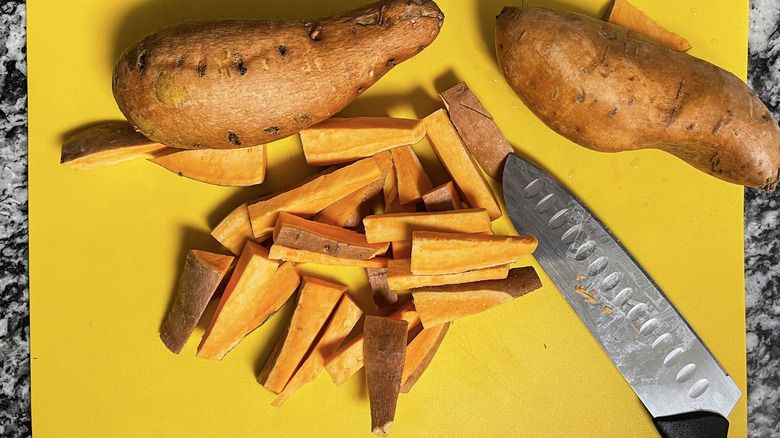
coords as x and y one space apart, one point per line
106 144
224 167
420 352
342 322
384 351
400 277
313 305
280 288
402 249
390 193
624 14
338 140
400 226
442 198
295 232
435 253
437 305
477 129
202 274
412 179
281 252
382 294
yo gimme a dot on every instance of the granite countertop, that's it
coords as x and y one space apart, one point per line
762 232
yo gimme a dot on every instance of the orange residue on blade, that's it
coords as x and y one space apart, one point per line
581 290
592 292
580 276
606 309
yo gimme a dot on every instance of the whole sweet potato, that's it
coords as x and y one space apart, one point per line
611 90
235 83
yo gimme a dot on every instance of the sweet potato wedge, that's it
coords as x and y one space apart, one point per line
382 294
223 167
202 274
460 164
279 289
310 198
477 129
384 351
239 303
341 323
402 249
400 277
412 179
420 352
106 144
313 305
349 211
624 14
338 140
236 228
348 359
437 305
436 253
281 252
390 193
400 226
296 232
442 198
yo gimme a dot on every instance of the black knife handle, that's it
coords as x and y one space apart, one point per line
699 424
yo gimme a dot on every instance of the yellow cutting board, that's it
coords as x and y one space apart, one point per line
107 246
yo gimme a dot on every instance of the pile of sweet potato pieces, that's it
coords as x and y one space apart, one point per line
435 244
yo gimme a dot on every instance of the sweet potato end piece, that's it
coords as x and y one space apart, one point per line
108 143
624 14
240 167
385 351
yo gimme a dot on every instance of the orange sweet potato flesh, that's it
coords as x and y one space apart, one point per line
460 164
202 274
390 193
400 277
281 252
313 305
383 295
295 232
348 359
420 352
338 140
240 301
236 228
436 253
223 167
412 179
400 226
349 211
442 198
384 350
106 144
437 305
477 129
402 249
626 15
341 323
310 198
280 288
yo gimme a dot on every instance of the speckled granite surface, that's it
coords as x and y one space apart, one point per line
762 232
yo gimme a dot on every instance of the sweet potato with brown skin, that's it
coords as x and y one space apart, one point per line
610 90
235 83
296 232
384 350
442 198
108 143
380 289
624 14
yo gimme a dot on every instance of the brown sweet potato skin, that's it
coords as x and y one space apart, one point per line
610 90
234 83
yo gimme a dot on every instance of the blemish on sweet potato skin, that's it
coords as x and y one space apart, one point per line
233 138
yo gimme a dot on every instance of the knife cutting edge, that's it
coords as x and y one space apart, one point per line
677 378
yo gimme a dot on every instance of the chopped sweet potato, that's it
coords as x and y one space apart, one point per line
349 211
450 253
460 164
202 274
477 129
384 350
342 322
442 198
437 305
338 140
624 14
239 303
402 249
310 198
313 305
420 352
400 226
412 179
224 167
382 294
390 193
281 252
400 277
106 144
279 289
296 232
348 359
235 229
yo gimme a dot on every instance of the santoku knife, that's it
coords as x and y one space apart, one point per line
682 385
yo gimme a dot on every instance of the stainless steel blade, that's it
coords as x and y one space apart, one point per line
648 340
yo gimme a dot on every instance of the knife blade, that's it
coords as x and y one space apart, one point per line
680 382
